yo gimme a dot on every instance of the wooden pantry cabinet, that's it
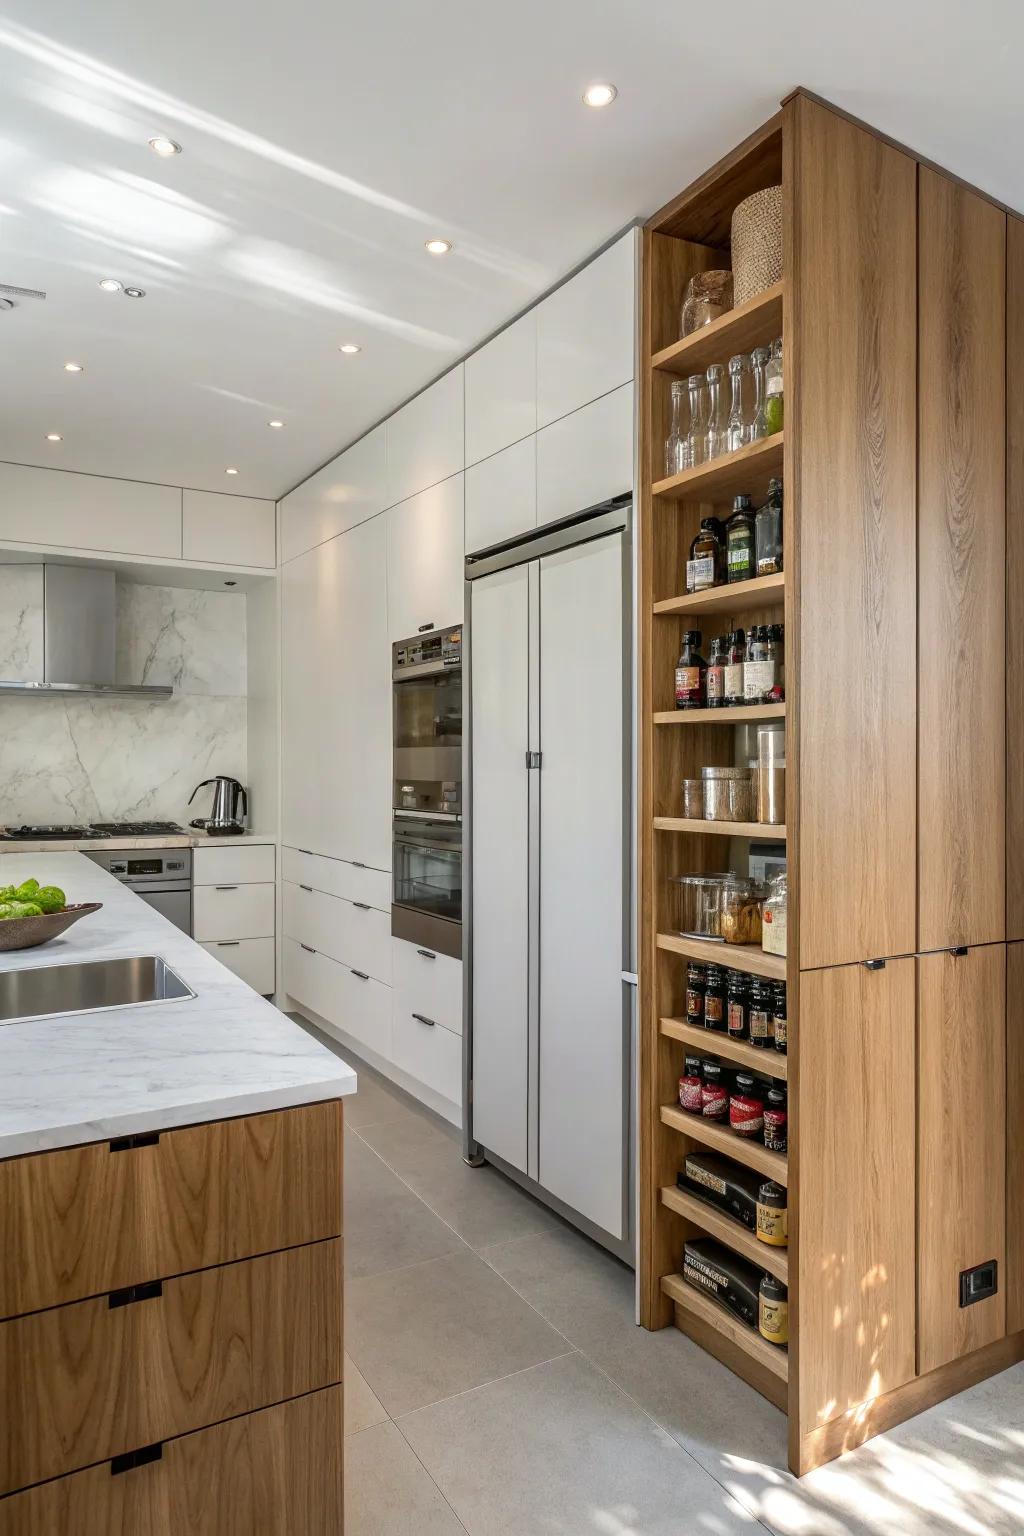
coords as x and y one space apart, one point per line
171 1331
901 308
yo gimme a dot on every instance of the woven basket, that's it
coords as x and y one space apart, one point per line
756 244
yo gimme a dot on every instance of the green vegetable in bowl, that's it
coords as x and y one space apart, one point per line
26 890
11 909
7 892
50 898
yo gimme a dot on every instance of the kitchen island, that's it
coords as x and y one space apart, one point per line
170 1247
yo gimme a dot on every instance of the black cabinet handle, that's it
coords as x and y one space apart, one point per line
428 954
228 943
361 974
130 1294
364 906
225 887
140 1139
421 1018
139 1458
308 888
307 947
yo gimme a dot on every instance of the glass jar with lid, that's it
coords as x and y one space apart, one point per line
699 905
723 802
773 933
708 296
741 902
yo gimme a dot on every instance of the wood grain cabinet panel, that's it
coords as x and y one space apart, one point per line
961 566
961 1147
91 1219
853 1147
94 1379
852 277
278 1471
1013 1279
1014 579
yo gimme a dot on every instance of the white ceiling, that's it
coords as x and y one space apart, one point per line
325 140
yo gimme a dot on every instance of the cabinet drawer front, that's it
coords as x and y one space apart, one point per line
355 933
430 1054
233 912
277 1470
237 865
95 1379
362 1008
429 983
337 877
86 1220
252 961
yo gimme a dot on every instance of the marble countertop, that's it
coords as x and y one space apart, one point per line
188 839
91 1076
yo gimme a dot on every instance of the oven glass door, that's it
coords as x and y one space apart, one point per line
428 743
428 868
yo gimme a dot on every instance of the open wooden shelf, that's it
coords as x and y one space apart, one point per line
735 714
769 1063
717 1224
701 1306
742 1149
749 958
766 831
750 325
739 597
747 471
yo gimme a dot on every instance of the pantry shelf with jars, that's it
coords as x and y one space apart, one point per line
739 597
696 1037
748 469
760 829
739 330
704 1311
775 1260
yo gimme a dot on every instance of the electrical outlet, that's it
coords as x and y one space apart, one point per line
979 1283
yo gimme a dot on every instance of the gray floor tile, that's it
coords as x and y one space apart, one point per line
387 1492
559 1451
422 1334
386 1225
362 1408
404 1142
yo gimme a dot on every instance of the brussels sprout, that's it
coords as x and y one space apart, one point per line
26 890
50 898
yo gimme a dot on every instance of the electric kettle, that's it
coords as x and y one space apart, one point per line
225 818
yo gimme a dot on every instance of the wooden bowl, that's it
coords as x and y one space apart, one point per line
27 932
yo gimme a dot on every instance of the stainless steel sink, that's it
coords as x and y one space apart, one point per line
43 991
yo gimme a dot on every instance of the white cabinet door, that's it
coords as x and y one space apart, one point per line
430 982
586 333
235 865
347 491
302 702
426 554
426 438
71 511
585 457
338 877
233 912
501 886
583 1059
501 390
228 530
354 933
252 961
428 1053
501 496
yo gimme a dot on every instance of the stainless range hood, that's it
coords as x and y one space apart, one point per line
79 636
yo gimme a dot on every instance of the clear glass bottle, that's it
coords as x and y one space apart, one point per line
715 436
773 404
734 664
736 427
758 426
768 531
704 569
675 442
773 918
694 448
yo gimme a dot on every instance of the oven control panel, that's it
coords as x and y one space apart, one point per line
440 649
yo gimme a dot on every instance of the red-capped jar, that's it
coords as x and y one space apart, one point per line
714 1095
776 1129
691 1085
746 1106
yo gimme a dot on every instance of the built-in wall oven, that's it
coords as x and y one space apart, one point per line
427 790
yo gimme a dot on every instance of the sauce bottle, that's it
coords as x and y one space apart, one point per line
761 1014
738 1005
704 569
735 662
739 541
714 681
690 672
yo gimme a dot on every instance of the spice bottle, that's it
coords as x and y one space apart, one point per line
714 998
772 1215
714 1095
761 1013
779 1029
714 680
715 438
695 994
768 532
736 427
735 662
775 1119
773 1311
773 392
690 1086
690 670
739 541
704 569
746 1106
737 1005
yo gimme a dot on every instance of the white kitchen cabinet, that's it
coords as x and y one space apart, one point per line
585 458
501 496
428 983
232 912
252 961
426 554
338 877
501 390
303 781
586 333
361 1007
348 490
239 864
427 1052
228 530
88 512
426 438
352 932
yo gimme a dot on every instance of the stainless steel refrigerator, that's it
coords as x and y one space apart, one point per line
549 930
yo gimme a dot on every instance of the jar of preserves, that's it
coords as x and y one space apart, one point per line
772 1215
779 1026
690 1084
714 998
714 1094
768 532
740 921
695 994
775 1119
690 672
739 542
746 1106
773 932
761 1013
737 1002
706 565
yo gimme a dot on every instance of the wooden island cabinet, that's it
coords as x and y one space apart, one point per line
171 1332
901 313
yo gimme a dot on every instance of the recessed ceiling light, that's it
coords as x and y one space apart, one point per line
599 94
110 285
231 471
73 368
135 293
164 147
275 423
350 347
54 437
438 247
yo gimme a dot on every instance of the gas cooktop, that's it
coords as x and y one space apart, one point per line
65 833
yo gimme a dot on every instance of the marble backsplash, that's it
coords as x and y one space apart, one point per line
89 758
